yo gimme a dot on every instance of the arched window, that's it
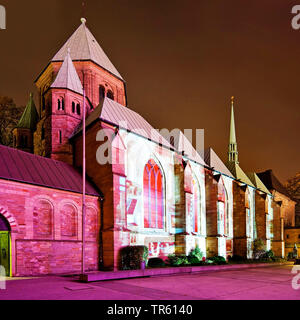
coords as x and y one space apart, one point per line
101 93
63 104
78 109
60 137
195 206
42 219
58 104
73 107
110 95
222 209
68 221
153 196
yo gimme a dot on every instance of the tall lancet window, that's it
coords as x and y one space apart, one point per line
195 206
222 210
153 196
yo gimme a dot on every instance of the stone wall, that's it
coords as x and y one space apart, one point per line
46 235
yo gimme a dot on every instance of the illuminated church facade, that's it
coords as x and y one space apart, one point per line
155 190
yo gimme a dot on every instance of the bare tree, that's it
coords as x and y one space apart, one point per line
10 115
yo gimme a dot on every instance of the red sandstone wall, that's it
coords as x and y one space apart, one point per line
48 233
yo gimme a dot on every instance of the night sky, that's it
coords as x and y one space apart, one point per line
182 61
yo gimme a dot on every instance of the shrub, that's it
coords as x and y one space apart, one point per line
178 260
269 255
132 256
156 263
217 260
195 256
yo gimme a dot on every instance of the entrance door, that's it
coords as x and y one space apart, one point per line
4 251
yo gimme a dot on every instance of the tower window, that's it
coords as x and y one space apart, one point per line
60 137
101 93
110 95
63 104
58 104
78 109
73 107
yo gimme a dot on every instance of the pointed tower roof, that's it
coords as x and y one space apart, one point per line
30 116
213 161
257 182
232 138
67 77
84 46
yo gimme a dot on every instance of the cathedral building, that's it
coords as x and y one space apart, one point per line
144 187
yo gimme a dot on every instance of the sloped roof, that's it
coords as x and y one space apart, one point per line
114 113
67 77
19 166
272 183
257 182
239 174
30 116
213 161
84 46
183 145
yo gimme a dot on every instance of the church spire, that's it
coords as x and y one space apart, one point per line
232 150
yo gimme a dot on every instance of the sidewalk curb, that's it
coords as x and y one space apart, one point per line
129 274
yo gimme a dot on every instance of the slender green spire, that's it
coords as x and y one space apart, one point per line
30 116
232 150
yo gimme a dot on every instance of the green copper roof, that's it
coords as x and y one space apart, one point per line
30 116
239 174
257 182
232 138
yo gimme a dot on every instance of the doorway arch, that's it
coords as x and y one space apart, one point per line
5 252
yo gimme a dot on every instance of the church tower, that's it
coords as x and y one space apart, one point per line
80 62
23 133
232 149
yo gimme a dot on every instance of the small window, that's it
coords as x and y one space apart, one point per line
101 93
60 137
110 95
78 109
63 104
73 107
287 236
58 104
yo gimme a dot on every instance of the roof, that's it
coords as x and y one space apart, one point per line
19 166
30 116
84 46
67 77
232 137
183 145
272 183
239 174
257 182
114 113
213 161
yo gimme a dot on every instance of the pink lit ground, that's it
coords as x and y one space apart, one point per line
271 283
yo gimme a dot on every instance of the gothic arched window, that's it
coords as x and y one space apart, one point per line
195 206
101 93
58 104
73 107
78 109
153 196
63 104
110 95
